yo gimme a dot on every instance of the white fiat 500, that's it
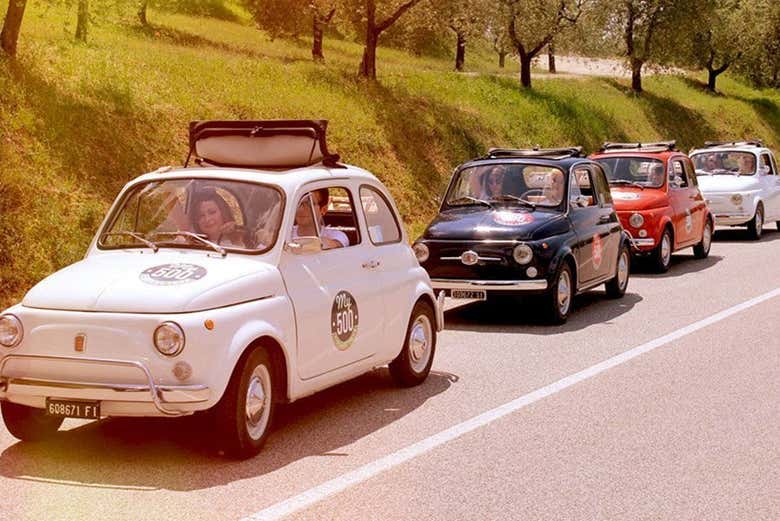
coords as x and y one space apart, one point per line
265 274
740 182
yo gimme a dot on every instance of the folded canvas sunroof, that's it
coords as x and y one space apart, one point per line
273 144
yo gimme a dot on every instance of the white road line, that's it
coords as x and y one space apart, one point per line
368 471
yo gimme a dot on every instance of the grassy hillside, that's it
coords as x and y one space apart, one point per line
78 121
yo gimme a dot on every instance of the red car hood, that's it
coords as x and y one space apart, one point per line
627 199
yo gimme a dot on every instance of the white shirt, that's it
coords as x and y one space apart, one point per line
326 232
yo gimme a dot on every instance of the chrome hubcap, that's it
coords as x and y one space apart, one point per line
420 343
666 249
759 221
564 292
707 237
623 270
257 397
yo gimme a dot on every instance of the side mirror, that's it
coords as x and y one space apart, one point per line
580 201
304 245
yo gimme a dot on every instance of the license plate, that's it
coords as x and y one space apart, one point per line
73 409
478 294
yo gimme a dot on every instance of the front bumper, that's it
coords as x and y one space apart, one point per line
490 285
116 398
732 219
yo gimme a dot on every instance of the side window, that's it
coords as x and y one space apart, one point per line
677 175
690 173
766 162
381 221
329 213
584 185
602 187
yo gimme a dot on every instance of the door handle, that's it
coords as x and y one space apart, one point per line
371 264
604 219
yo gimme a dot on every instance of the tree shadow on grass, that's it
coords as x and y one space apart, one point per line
769 112
179 454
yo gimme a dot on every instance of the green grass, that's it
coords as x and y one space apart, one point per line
79 121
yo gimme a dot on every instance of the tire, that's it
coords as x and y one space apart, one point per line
29 423
756 224
616 287
413 364
243 427
662 255
702 250
561 296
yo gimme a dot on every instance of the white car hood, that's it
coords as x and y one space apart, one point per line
165 282
727 183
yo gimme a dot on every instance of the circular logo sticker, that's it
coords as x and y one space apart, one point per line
624 196
598 249
172 274
344 320
513 218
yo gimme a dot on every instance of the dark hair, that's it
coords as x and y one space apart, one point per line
323 196
208 194
486 177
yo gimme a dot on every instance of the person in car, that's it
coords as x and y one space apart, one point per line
656 175
746 163
493 182
304 224
212 217
552 193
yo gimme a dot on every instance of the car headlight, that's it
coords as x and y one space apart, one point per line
523 254
636 220
421 251
736 199
169 338
11 331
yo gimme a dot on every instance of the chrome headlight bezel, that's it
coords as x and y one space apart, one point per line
169 339
637 220
421 251
9 320
736 199
523 254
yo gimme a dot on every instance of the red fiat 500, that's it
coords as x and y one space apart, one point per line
657 198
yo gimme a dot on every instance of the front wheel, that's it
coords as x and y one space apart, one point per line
561 296
662 255
616 287
756 224
243 416
29 423
702 250
412 366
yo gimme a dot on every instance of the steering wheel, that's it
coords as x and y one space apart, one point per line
534 192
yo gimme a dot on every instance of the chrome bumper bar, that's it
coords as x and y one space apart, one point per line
642 242
440 311
490 285
161 395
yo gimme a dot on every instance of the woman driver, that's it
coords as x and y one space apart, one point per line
212 217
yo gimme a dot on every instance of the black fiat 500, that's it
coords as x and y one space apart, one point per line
536 222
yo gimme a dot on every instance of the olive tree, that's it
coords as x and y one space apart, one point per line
12 25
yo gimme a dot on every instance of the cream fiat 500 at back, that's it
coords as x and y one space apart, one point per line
266 273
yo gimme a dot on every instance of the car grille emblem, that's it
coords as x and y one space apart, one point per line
469 258
80 343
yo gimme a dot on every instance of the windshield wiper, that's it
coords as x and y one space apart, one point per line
180 233
472 200
135 236
515 198
625 182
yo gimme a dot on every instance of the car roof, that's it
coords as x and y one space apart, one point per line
564 163
664 155
287 180
732 148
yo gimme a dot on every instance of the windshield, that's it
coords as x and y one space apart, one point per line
711 163
511 184
196 213
637 171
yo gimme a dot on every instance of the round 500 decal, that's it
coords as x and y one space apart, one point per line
173 274
598 251
344 320
512 218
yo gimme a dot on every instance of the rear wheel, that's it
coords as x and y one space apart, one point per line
29 423
702 250
413 364
616 287
662 255
756 224
561 295
243 416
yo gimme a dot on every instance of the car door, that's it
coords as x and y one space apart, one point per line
339 306
771 182
680 200
698 205
608 223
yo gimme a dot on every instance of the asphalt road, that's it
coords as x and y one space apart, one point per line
681 422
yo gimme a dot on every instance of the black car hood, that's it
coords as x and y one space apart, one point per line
471 224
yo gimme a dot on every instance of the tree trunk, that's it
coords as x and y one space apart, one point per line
13 24
525 70
501 59
460 53
368 64
551 58
142 13
711 77
316 47
83 21
636 75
